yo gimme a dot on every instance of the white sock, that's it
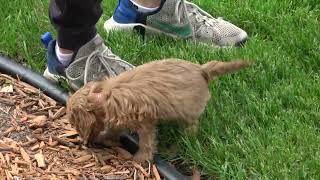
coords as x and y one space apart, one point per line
64 58
143 9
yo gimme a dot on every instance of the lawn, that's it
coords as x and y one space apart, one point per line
262 123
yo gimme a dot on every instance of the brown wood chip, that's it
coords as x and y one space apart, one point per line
42 145
31 90
73 171
26 105
25 155
39 137
119 172
106 168
101 160
59 113
7 157
155 172
2 160
141 177
82 159
8 131
123 153
53 149
20 92
196 175
35 147
52 143
38 122
68 134
141 169
49 100
63 142
114 177
40 160
20 162
89 165
8 174
28 143
7 101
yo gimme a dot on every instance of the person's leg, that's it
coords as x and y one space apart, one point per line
180 18
74 21
79 53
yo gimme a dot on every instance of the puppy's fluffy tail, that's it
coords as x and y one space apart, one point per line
214 69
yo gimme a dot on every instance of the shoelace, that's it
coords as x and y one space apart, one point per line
195 12
106 58
98 55
201 16
180 11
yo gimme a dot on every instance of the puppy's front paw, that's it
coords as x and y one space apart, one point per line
111 143
142 156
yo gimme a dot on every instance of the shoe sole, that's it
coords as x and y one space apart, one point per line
112 25
50 76
242 42
55 79
243 37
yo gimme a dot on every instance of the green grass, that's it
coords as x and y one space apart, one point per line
262 123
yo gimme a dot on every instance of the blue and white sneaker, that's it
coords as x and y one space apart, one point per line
178 18
92 62
127 17
54 70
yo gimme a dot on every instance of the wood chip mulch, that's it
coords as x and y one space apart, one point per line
38 142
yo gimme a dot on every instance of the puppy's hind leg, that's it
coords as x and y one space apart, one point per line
192 126
191 121
147 143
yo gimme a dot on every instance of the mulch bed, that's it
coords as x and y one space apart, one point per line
38 142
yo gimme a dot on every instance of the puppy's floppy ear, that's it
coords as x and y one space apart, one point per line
96 94
95 98
69 111
84 122
71 116
96 86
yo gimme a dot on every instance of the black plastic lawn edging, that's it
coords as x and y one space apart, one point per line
10 67
130 143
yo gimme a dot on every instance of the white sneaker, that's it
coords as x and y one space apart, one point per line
93 62
51 76
182 19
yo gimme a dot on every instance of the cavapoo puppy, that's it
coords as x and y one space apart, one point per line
170 89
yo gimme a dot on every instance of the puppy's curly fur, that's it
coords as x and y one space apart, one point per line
169 89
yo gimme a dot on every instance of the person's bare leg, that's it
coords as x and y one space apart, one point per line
66 51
